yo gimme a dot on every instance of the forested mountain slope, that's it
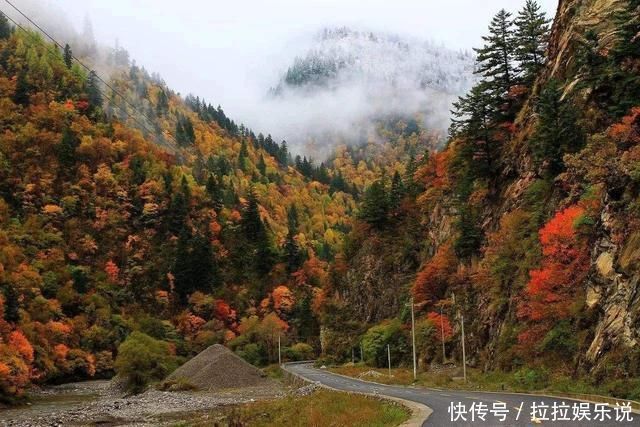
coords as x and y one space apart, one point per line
526 224
126 208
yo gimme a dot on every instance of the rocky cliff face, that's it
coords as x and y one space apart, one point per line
608 325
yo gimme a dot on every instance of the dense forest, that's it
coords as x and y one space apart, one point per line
126 208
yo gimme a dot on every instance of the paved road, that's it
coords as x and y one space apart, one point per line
440 401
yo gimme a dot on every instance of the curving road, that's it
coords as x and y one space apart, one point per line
472 405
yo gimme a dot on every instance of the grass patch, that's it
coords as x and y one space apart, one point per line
522 381
322 408
274 372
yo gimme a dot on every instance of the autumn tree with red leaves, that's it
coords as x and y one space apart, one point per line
551 292
432 280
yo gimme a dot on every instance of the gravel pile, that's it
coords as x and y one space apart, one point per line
218 368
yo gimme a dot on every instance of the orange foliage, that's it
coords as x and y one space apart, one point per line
18 341
224 312
628 130
283 299
551 289
4 370
229 335
112 271
60 351
434 276
434 173
189 323
319 298
52 210
59 328
441 324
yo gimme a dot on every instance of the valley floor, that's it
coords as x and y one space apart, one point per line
93 403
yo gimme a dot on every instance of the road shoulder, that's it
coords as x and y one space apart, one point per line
419 412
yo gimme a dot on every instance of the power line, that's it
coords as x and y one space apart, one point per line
90 71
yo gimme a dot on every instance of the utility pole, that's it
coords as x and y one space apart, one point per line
389 357
279 352
464 354
413 337
442 330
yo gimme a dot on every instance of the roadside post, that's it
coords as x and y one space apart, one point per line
442 333
413 338
389 357
279 352
464 354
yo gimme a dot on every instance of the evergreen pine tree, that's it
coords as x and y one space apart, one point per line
627 22
5 27
531 37
80 279
557 131
469 234
304 320
68 56
338 183
409 179
181 137
252 225
93 91
243 156
397 192
162 106
256 236
283 153
11 305
375 205
182 267
292 250
202 264
179 208
262 166
495 62
625 77
67 149
215 193
473 121
322 175
21 95
189 132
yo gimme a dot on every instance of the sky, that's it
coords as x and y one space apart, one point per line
216 48
231 52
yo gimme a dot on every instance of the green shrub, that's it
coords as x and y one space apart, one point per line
561 340
299 351
376 339
142 360
531 379
253 353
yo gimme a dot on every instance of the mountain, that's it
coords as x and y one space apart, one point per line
349 81
343 56
124 207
